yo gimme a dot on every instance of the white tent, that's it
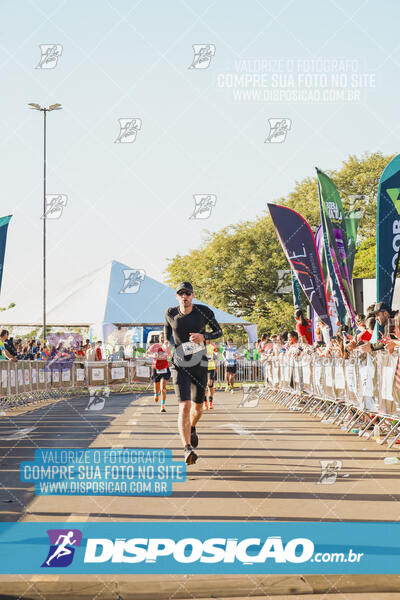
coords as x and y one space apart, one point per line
115 295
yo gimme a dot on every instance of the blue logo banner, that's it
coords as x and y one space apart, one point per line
207 548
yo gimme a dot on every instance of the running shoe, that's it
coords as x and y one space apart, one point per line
162 409
232 391
211 405
206 404
194 438
190 455
226 388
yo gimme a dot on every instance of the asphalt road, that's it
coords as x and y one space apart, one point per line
255 463
259 463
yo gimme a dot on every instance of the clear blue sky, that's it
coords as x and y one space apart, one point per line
132 202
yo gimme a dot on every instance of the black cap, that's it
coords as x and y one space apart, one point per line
184 285
380 307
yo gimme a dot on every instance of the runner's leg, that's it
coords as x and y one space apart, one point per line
182 385
184 421
198 390
156 391
211 376
206 399
227 376
163 393
195 413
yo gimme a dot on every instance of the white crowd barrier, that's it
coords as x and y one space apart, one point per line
25 381
361 393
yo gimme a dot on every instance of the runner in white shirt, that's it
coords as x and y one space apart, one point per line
230 355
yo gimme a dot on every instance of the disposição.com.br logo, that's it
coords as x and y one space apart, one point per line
62 547
245 551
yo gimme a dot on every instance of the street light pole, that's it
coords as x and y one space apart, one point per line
44 223
44 110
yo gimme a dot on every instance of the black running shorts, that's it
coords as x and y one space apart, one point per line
231 369
190 383
212 374
158 374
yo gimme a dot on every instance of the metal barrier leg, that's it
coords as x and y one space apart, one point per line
354 420
310 401
394 440
276 395
389 433
293 401
342 414
323 408
329 411
371 422
313 412
288 398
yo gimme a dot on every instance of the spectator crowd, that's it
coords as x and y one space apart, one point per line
16 349
378 330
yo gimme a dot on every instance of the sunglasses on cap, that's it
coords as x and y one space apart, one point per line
184 293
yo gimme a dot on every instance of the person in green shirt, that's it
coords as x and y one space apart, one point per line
5 354
139 352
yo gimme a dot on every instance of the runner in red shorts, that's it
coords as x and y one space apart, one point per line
160 370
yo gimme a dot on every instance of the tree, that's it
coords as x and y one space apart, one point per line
236 268
11 305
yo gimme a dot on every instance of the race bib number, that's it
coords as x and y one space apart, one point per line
191 348
159 371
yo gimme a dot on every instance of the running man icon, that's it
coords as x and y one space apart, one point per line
61 551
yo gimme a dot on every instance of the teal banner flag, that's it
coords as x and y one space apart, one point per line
388 231
4 221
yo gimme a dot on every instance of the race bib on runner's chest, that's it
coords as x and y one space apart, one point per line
191 348
161 370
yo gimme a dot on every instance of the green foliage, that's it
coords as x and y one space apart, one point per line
364 264
11 305
236 268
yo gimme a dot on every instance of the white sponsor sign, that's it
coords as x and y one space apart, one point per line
66 375
306 374
98 374
328 375
142 371
339 377
387 383
117 372
351 378
317 374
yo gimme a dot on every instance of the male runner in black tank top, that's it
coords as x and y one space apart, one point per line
186 325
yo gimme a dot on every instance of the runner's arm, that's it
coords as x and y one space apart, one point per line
216 331
167 329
